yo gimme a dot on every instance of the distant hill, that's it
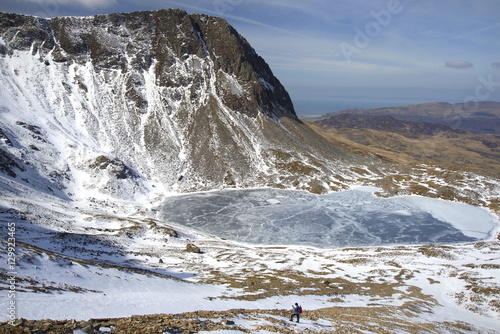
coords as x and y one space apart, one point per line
388 123
406 141
480 117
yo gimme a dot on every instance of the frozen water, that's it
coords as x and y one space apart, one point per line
349 218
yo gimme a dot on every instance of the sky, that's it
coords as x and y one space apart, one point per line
337 54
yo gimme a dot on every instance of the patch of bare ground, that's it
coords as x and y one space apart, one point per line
261 285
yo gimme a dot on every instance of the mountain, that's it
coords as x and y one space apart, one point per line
105 119
142 105
414 142
386 123
146 102
479 117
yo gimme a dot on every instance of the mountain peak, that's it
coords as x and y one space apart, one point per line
139 39
178 101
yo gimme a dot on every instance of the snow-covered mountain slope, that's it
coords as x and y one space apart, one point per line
122 103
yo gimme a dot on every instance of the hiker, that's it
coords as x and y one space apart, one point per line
297 310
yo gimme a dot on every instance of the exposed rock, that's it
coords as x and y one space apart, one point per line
114 166
9 164
191 248
5 139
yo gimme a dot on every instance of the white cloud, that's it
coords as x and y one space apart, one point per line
458 64
91 4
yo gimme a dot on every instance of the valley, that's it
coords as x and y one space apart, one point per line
120 133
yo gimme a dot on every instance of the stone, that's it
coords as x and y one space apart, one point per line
191 248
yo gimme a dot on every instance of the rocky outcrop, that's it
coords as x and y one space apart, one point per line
192 248
114 166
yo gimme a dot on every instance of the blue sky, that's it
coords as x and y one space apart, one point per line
333 54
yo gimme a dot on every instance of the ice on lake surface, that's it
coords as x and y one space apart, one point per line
354 217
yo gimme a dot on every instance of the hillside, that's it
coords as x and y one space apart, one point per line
387 123
478 117
412 142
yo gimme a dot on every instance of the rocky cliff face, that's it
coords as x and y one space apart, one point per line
162 100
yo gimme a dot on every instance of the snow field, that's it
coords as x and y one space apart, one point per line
61 281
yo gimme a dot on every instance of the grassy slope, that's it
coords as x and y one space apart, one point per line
469 151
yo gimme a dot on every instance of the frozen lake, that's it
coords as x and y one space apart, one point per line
354 217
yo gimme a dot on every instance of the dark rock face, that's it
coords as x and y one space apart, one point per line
135 40
25 33
8 164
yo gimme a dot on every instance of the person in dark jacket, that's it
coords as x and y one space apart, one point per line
296 312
